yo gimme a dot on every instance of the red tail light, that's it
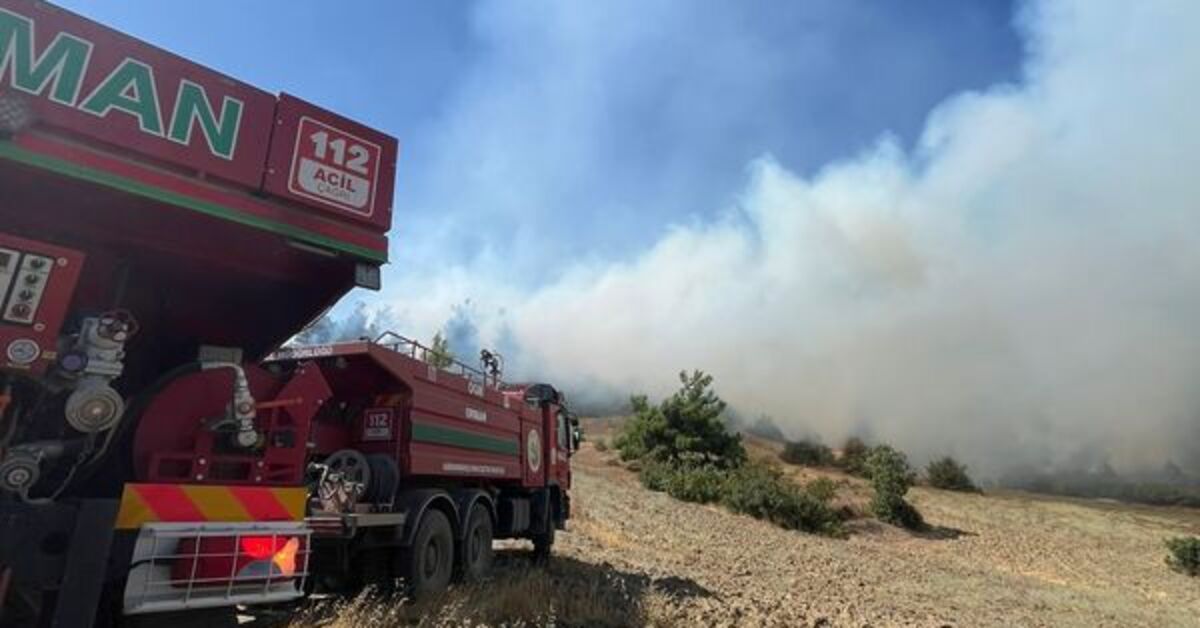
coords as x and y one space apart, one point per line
262 547
215 561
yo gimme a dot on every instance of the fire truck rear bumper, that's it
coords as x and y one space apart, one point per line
201 546
178 566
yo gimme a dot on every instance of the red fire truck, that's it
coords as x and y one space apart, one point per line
164 230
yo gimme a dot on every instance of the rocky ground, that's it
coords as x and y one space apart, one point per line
633 557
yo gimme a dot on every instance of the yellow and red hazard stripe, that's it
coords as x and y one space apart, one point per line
150 503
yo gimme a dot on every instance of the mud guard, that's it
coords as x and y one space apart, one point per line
466 499
416 501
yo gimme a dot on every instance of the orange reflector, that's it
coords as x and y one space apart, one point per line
285 558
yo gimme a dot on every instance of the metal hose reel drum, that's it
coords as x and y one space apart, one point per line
385 478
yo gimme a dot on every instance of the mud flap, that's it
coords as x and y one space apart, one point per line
87 564
56 547
542 513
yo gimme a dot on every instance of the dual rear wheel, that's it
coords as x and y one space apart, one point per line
429 564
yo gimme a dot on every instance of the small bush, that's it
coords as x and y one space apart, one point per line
891 477
822 490
807 453
854 457
1184 554
700 484
948 474
602 445
762 492
897 511
655 476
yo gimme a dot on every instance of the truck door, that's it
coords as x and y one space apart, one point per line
549 444
560 455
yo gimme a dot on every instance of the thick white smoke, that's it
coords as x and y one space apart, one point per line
1022 286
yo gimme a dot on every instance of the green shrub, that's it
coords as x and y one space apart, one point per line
753 489
655 476
896 511
854 456
602 445
762 492
822 490
891 477
948 474
686 425
700 484
807 453
1184 554
696 484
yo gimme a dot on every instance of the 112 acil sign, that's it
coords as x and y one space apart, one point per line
332 166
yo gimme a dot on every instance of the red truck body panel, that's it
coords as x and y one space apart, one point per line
36 284
433 422
333 163
142 160
95 52
226 142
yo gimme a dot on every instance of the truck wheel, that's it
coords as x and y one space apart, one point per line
428 565
477 544
542 544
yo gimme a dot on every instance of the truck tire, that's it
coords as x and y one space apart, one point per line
477 544
542 544
428 564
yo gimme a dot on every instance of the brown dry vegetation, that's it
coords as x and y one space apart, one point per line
633 557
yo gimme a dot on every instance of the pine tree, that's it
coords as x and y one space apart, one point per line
439 354
685 428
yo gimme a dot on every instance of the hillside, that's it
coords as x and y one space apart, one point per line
632 556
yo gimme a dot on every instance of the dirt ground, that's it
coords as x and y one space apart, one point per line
996 559
634 557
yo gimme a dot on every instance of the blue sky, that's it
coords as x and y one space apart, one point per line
536 132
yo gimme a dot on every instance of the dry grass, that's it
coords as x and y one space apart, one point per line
567 593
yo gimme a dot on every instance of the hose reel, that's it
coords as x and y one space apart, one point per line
348 477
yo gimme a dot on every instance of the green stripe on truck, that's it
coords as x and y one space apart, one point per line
12 152
440 435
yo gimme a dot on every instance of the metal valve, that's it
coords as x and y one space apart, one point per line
19 471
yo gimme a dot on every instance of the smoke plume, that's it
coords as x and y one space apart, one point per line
1020 287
